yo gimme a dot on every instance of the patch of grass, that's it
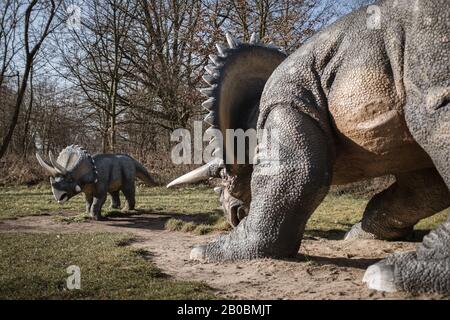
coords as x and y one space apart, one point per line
337 214
203 225
33 266
34 201
73 219
38 200
174 225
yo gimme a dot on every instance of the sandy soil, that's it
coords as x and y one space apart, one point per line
326 269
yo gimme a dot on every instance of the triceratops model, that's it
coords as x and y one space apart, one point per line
363 98
75 171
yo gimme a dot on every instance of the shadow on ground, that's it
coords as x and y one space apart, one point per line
416 236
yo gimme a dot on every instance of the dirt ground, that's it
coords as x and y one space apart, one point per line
326 269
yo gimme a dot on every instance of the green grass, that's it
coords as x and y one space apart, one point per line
31 201
33 266
204 225
334 216
337 214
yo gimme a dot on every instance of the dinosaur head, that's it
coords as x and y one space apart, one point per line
236 78
234 189
69 172
235 195
64 188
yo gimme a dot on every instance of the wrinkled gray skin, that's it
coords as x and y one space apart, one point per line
353 103
76 171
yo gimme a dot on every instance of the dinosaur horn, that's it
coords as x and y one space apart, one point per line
49 168
209 170
56 165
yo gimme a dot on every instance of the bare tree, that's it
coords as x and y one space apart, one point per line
285 23
38 24
9 46
127 75
94 59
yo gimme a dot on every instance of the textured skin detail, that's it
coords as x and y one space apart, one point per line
352 103
420 276
427 113
357 233
282 203
97 176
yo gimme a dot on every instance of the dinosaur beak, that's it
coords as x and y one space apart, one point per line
209 170
60 196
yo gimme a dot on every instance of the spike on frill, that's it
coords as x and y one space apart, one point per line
221 50
209 104
233 43
254 39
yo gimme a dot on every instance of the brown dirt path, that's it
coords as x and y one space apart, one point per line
328 269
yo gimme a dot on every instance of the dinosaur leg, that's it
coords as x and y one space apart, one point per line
96 208
284 193
427 269
89 199
129 190
115 200
393 213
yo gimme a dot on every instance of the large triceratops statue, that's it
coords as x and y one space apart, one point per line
356 101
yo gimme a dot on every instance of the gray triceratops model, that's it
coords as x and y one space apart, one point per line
76 171
358 100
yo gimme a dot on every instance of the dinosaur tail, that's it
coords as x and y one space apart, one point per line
236 78
144 175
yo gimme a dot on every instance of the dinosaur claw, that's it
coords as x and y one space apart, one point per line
357 233
198 253
380 277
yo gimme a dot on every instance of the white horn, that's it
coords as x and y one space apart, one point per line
52 171
209 170
56 165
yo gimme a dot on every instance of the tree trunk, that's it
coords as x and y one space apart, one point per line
28 117
21 94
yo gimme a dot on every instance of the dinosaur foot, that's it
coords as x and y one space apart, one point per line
198 253
98 217
380 277
356 232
